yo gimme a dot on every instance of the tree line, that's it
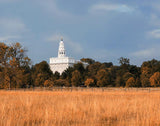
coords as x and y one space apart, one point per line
16 71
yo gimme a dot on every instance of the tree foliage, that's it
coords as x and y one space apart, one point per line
89 82
16 72
131 82
155 79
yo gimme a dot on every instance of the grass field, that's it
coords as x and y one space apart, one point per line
79 108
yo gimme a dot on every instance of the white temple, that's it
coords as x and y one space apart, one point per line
62 62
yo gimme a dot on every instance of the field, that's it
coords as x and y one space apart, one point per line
80 108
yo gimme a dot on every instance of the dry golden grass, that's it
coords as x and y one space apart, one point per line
79 108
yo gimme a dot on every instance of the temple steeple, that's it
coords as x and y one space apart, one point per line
61 50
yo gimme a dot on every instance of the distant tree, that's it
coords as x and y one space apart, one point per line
89 82
138 82
93 69
145 82
61 82
79 67
145 76
103 78
13 62
56 75
107 65
126 76
49 82
67 74
40 73
76 78
136 71
130 82
123 61
88 60
155 79
119 81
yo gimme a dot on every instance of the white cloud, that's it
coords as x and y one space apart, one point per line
144 53
12 25
11 28
154 20
52 7
111 7
75 46
154 33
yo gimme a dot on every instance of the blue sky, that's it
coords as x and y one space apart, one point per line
104 30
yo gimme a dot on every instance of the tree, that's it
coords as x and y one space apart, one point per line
61 82
48 83
13 62
119 81
89 82
130 82
126 76
76 78
145 82
103 78
155 79
67 74
92 69
40 73
145 76
107 65
138 82
123 61
56 75
79 67
88 60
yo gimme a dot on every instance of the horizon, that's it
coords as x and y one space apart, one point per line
103 30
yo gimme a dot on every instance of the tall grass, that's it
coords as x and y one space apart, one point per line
79 108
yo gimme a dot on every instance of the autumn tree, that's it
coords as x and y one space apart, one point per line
76 78
67 74
89 82
145 76
49 82
155 79
61 82
88 60
126 76
103 78
13 61
130 82
40 73
93 69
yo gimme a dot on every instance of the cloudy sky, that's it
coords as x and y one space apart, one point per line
104 30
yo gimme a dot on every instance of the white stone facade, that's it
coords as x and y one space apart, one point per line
62 62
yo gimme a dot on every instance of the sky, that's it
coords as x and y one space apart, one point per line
103 30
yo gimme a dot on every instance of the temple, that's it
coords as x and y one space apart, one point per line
62 62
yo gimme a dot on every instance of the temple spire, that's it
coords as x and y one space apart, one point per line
61 51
